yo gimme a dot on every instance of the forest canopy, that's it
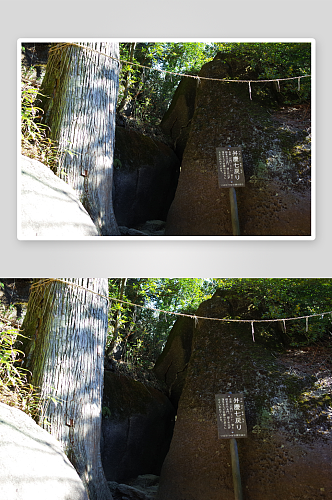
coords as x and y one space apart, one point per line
143 331
150 92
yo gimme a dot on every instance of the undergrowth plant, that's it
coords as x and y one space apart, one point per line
15 390
34 141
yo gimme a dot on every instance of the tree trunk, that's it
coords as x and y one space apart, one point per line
81 85
66 322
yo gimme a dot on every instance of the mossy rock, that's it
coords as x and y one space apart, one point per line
288 447
276 198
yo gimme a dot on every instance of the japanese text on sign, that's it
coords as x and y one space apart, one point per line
231 416
230 167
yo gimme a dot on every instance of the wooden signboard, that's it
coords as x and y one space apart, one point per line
230 167
231 416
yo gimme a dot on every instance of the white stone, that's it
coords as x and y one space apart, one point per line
32 463
48 206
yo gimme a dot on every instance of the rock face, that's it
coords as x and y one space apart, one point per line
145 178
177 120
32 464
287 453
171 366
49 206
136 430
276 156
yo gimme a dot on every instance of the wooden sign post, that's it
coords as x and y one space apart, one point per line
231 425
231 175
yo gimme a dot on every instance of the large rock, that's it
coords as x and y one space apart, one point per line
276 199
177 120
287 453
171 366
49 206
32 464
145 178
136 429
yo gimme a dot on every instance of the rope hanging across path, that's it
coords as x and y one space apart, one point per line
228 320
198 78
192 316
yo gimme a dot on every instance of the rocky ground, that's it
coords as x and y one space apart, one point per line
149 228
144 487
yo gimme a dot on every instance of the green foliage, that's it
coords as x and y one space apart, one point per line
143 331
29 130
106 412
150 92
15 390
117 163
287 298
276 60
34 141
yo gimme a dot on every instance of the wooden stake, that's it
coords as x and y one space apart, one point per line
234 212
236 470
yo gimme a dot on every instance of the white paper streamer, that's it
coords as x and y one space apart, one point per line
252 331
250 91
